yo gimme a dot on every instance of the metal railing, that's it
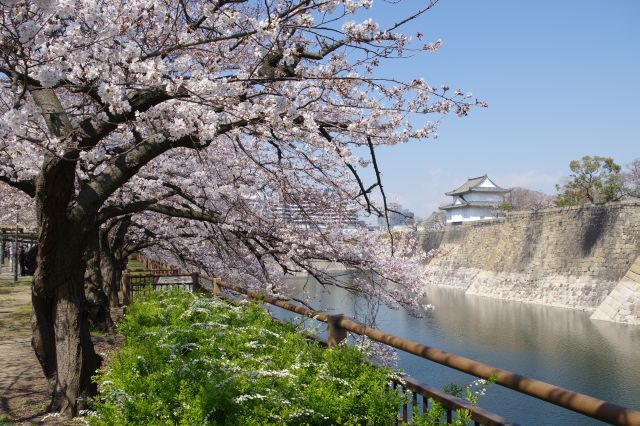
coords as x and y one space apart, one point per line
338 326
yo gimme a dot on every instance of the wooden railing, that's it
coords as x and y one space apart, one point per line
140 284
338 326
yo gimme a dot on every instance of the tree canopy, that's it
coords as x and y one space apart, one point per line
631 179
593 180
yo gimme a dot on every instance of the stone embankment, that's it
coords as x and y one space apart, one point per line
623 303
576 257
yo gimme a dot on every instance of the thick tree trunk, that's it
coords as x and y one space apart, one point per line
43 337
76 359
61 337
112 241
98 302
110 270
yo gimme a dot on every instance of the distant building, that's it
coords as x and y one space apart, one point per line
477 199
397 217
435 222
312 214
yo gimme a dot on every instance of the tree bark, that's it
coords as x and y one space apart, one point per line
43 338
61 336
110 270
98 302
112 239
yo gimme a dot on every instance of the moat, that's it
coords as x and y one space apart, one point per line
560 346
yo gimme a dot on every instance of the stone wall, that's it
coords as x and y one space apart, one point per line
569 257
623 302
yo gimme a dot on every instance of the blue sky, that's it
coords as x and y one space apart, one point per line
562 79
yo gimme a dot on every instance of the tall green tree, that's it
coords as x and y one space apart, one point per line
593 180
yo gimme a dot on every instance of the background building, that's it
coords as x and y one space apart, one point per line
318 212
477 199
397 217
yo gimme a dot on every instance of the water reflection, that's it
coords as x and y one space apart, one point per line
559 346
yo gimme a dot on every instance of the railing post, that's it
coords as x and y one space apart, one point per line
336 334
216 287
195 279
126 291
2 247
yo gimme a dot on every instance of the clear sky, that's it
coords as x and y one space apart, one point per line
562 79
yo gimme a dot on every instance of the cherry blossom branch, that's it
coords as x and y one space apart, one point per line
384 197
26 186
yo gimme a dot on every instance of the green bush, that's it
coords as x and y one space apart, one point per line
192 360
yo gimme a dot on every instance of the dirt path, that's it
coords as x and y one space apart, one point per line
23 396
23 388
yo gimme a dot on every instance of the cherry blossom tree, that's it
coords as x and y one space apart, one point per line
14 201
208 114
520 199
631 179
16 208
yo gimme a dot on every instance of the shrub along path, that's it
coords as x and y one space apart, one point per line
193 359
23 388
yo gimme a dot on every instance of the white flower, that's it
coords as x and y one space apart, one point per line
243 398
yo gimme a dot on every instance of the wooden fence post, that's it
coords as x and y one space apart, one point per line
195 279
216 287
2 247
126 291
335 333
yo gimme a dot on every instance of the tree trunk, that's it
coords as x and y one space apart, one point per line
43 338
61 337
112 238
110 270
98 302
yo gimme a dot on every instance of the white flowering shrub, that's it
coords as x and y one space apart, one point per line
192 360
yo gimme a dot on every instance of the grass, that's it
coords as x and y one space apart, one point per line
17 322
8 282
22 315
8 286
96 333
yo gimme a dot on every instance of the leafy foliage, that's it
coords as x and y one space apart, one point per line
594 180
192 360
505 206
437 414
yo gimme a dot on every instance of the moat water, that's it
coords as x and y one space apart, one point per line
559 346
